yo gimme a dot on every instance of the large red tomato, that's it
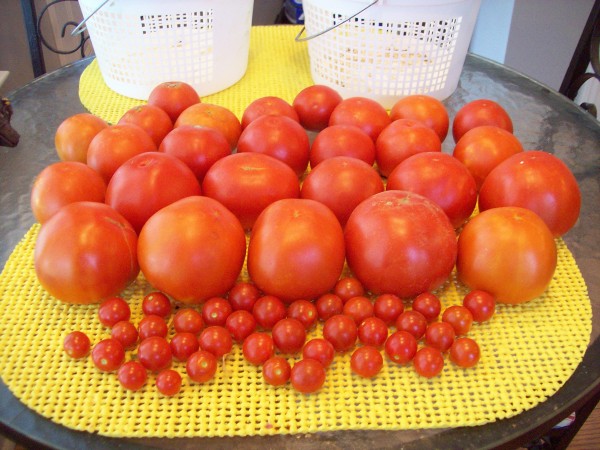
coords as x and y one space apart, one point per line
477 113
400 243
148 182
154 120
342 140
296 250
85 253
192 249
423 108
173 97
269 105
508 252
439 177
314 105
246 183
362 112
538 181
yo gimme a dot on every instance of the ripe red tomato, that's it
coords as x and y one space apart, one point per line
108 355
428 362
168 382
152 326
508 252
427 304
216 310
289 335
304 311
215 117
258 347
483 148
201 366
126 333
240 324
76 344
413 322
366 361
373 331
113 310
268 310
348 287
401 139
276 371
197 146
440 335
341 331
149 182
423 108
173 97
477 113
400 243
314 105
388 307
183 345
269 105
216 339
364 113
538 181
156 303
62 183
246 183
188 320
74 134
342 140
481 304
307 376
114 145
341 183
243 295
192 250
401 347
328 305
155 353
439 177
132 375
359 308
280 137
320 349
154 121
296 250
85 253
465 352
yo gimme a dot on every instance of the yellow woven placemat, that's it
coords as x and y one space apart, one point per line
277 65
528 352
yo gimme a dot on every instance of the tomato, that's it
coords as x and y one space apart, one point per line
246 183
483 148
362 112
401 139
192 250
74 134
348 287
477 113
188 320
289 335
307 376
373 331
268 310
197 146
154 120
243 295
156 303
114 145
76 344
440 335
508 252
280 137
314 105
538 181
149 182
427 304
258 347
342 140
108 355
216 339
168 382
366 361
439 177
201 366
126 333
359 308
62 183
304 311
152 326
296 249
269 105
240 324
113 310
155 353
481 304
341 183
276 371
173 97
215 117
85 253
465 352
132 375
183 344
215 311
459 317
428 362
401 347
328 305
400 243
320 349
423 108
388 307
413 322
341 331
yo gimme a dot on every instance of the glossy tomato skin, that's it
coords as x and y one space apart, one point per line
212 116
85 253
439 177
149 182
400 243
538 181
342 140
314 105
307 376
154 120
480 112
74 134
508 252
423 108
173 97
246 183
296 250
364 113
269 105
192 249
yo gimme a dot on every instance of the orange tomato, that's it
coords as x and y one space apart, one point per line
74 134
423 108
212 116
155 121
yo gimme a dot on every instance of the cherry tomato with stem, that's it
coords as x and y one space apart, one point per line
276 371
108 355
201 366
156 303
216 310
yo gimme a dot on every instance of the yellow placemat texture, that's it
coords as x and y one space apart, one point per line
277 65
528 352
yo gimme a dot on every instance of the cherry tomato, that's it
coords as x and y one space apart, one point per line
152 119
388 307
304 311
459 317
400 243
268 310
481 304
183 344
314 105
276 371
201 366
359 308
240 324
258 347
428 362
168 382
156 303
423 108
401 347
76 344
289 335
269 105
113 310
320 349
373 331
366 361
307 376
477 113
132 375
412 321
341 331
126 333
342 140
152 326
215 311
74 134
173 97
108 355
155 353
188 320
243 295
296 249
427 304
440 335
364 113
329 305
215 117
216 339
465 352
508 252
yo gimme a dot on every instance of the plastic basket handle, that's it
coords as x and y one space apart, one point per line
80 27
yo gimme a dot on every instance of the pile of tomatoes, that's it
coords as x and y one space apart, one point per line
188 194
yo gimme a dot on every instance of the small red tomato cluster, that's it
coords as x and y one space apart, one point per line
271 332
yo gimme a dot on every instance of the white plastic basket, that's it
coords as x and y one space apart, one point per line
141 43
392 49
